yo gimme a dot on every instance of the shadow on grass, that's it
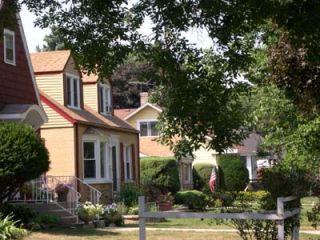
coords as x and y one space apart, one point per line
78 232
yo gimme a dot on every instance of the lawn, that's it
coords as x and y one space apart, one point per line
102 234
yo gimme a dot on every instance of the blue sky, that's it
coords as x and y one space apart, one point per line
35 35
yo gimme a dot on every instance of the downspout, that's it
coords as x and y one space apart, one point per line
138 145
76 148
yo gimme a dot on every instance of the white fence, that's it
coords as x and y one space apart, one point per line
278 215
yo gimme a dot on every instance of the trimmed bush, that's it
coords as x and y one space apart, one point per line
193 199
23 157
129 195
21 214
233 173
201 175
251 196
160 175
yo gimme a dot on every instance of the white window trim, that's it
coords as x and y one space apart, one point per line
103 108
149 130
98 140
9 32
125 163
73 77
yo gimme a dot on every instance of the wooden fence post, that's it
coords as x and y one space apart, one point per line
142 224
280 223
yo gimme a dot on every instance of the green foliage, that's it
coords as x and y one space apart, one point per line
21 214
53 41
129 194
47 219
233 173
201 174
224 199
23 157
160 174
314 216
193 199
283 181
251 196
9 229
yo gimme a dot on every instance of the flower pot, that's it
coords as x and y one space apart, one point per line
165 206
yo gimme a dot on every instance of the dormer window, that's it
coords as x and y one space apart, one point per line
9 47
105 99
73 91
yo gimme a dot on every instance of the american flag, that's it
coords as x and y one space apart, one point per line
212 181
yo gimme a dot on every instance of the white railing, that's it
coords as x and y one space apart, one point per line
88 193
279 215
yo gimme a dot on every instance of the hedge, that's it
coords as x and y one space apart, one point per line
193 199
201 176
233 173
160 174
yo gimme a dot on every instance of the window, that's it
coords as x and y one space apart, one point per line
103 158
9 47
148 128
105 99
128 162
73 91
89 159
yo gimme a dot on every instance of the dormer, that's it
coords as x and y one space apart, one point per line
58 76
97 93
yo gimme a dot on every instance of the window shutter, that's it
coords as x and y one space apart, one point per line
65 90
99 98
81 93
121 162
133 162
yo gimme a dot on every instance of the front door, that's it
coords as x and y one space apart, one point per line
114 168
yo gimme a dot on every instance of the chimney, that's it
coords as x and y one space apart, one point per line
144 96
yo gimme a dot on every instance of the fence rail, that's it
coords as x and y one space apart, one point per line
278 215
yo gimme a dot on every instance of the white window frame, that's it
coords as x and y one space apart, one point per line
128 161
73 78
95 156
148 121
108 161
11 33
106 110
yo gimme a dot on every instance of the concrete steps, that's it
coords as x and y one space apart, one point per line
52 209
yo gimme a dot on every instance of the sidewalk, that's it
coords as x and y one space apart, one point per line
314 232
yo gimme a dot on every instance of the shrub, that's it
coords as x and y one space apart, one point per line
159 174
201 176
224 199
23 157
19 213
47 219
251 196
193 199
233 173
129 194
9 229
112 215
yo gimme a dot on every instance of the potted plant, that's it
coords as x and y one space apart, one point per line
89 212
62 191
112 217
165 202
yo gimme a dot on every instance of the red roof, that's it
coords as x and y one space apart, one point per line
53 61
122 113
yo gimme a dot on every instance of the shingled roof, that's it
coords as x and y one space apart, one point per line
55 61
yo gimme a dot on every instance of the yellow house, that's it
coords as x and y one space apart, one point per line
88 145
145 120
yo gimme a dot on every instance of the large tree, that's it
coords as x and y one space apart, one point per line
102 33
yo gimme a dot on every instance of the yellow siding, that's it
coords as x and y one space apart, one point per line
90 96
51 84
71 67
61 146
147 113
205 156
54 118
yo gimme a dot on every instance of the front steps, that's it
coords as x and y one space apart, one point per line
52 208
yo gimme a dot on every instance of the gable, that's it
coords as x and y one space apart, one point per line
17 85
147 113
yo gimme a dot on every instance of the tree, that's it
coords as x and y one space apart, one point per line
23 157
53 41
102 33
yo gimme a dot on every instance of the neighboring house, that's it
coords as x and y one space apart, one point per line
85 140
19 97
145 120
247 152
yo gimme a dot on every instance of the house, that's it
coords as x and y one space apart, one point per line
247 151
87 144
19 96
145 120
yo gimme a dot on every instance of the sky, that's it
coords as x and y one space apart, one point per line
35 35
